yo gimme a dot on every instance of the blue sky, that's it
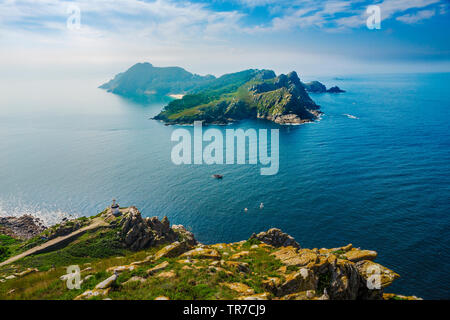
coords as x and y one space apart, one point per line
312 37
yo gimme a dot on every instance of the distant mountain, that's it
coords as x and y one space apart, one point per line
143 79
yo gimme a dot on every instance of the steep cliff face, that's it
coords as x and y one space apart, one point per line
284 101
139 233
281 99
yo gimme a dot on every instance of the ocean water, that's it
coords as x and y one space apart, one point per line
375 171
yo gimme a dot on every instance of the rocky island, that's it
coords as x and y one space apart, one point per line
318 87
249 94
122 255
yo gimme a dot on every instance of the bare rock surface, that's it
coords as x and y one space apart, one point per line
24 227
277 238
140 233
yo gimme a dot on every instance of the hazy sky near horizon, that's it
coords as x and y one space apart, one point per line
218 36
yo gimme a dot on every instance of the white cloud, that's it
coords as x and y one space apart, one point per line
389 8
417 17
167 32
335 15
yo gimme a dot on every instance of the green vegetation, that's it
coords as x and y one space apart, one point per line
235 96
96 251
324 282
241 95
143 79
8 246
220 271
90 246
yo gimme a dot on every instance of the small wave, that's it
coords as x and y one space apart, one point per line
350 116
48 217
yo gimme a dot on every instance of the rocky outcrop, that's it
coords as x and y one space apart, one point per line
315 87
65 227
24 227
139 233
275 237
343 273
335 89
284 101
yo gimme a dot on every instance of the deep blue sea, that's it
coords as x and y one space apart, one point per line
379 179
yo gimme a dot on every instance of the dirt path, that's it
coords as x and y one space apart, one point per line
96 223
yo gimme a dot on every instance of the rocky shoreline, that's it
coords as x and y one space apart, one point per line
23 227
164 258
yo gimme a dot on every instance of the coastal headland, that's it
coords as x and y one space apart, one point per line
121 255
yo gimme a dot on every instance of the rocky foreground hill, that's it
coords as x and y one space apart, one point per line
126 256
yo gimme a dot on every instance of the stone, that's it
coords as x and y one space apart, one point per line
275 237
172 250
290 257
158 268
392 296
187 261
238 287
26 272
356 255
296 296
220 246
343 280
145 261
167 274
138 233
24 227
107 282
184 234
369 271
298 281
220 269
272 284
93 293
202 253
310 294
135 279
238 266
259 296
239 255
119 269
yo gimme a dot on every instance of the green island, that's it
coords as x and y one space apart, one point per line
121 255
248 94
